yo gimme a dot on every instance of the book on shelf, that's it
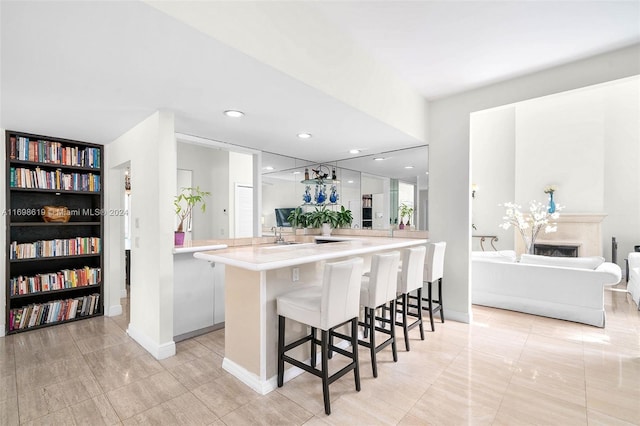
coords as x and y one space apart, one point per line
20 177
60 280
54 311
50 152
55 248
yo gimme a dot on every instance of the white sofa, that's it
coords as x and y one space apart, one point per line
633 286
558 287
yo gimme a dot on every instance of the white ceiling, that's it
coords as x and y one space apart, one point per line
92 70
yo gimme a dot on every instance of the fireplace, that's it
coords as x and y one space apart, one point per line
557 250
579 234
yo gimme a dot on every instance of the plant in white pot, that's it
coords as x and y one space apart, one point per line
183 204
405 211
323 218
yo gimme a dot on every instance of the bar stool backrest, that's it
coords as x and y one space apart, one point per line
434 263
383 278
412 269
340 292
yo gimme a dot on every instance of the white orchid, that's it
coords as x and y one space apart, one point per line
538 218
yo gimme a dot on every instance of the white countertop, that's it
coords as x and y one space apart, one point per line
198 245
266 257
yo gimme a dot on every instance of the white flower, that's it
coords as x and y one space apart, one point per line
538 218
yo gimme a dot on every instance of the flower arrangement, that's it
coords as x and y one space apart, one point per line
530 224
550 189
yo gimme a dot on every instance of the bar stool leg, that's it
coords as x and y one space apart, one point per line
440 300
430 305
371 325
394 349
325 371
405 326
354 349
420 313
313 346
281 321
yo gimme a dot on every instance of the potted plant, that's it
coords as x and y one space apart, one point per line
297 218
407 211
323 218
183 204
344 217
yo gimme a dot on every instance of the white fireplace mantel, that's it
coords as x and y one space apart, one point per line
581 229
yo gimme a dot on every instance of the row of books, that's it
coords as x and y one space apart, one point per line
25 149
54 311
53 248
53 179
64 279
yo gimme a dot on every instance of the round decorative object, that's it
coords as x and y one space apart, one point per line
56 214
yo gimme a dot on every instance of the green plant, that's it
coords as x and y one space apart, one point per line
297 218
184 203
405 211
344 217
323 215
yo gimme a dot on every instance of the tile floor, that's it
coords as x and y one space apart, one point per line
505 369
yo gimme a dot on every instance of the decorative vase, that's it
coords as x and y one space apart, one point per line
552 204
307 195
326 229
401 226
178 238
529 245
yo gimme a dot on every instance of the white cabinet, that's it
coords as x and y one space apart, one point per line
198 296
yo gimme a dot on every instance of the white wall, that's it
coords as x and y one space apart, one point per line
493 159
577 140
450 166
150 147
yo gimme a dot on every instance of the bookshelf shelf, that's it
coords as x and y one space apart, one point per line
39 294
38 224
36 166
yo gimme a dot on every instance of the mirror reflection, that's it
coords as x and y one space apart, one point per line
374 188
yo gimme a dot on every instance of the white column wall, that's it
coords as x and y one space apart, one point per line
449 165
493 157
150 147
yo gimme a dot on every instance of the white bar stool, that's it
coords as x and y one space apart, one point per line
409 280
379 289
332 305
434 270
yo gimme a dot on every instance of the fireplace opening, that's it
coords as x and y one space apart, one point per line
564 250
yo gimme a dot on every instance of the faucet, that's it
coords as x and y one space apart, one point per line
279 238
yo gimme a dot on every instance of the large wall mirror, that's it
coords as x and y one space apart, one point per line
372 186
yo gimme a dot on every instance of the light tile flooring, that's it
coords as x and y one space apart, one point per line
505 369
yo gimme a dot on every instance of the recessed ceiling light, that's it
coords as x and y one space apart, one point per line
304 135
378 159
426 173
354 151
408 167
296 173
233 113
268 168
349 181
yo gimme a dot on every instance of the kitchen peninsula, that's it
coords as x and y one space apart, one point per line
255 275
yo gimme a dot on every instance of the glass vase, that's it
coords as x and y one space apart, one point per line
552 204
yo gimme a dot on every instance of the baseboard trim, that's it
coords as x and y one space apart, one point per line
158 351
114 311
263 387
196 333
465 317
